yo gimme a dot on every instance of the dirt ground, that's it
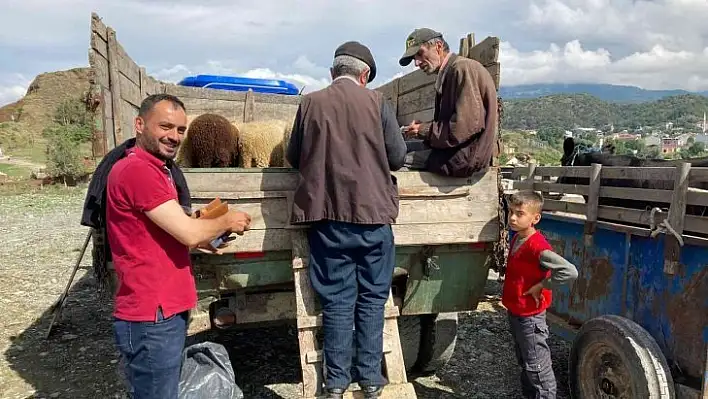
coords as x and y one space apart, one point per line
41 239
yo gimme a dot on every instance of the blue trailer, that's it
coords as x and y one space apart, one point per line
637 316
237 83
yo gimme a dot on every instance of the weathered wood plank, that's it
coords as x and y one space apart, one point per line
464 47
495 71
390 93
126 65
113 74
263 98
128 113
273 213
414 81
215 94
405 235
652 173
106 107
231 110
677 214
99 44
248 107
99 68
129 91
271 110
98 26
593 201
225 180
416 100
486 52
564 206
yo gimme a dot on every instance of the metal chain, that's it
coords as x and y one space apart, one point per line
501 247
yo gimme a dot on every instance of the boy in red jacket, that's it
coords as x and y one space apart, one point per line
531 268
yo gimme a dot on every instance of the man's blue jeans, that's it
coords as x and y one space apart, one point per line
351 267
152 354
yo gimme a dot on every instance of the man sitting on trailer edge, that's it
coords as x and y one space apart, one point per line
150 235
462 138
345 142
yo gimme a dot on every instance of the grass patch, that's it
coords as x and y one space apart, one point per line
15 171
24 187
17 140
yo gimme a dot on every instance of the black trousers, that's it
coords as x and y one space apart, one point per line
351 267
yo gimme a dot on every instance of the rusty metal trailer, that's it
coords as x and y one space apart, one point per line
638 314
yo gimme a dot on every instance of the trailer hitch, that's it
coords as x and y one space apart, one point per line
429 261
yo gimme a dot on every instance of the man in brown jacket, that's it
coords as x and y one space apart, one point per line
345 143
462 137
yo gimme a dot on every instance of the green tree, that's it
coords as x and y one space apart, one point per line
71 128
695 150
552 135
63 159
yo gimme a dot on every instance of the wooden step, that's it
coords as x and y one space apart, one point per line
316 321
390 391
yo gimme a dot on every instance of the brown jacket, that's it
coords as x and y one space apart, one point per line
463 134
345 142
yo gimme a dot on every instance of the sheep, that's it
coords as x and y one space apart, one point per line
263 143
211 141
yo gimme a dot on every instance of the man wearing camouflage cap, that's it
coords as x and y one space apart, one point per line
462 137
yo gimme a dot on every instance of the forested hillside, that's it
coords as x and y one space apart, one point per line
583 110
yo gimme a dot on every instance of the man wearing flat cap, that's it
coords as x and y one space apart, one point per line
345 142
462 138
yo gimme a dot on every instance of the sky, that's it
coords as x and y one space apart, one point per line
659 44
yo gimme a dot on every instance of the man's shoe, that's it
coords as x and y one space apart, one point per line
371 391
335 393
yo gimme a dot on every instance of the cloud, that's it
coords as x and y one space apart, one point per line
658 68
12 87
653 44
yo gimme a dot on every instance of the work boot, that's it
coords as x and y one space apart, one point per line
371 391
335 393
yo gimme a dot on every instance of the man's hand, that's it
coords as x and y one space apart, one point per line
412 130
238 222
535 292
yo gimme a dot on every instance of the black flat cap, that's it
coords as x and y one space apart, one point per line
358 51
413 42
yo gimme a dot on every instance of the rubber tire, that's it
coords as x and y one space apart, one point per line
427 341
639 356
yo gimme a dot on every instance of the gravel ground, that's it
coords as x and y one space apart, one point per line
42 238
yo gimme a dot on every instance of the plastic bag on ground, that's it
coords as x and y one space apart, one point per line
207 373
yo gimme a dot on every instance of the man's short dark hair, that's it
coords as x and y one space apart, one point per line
527 197
149 103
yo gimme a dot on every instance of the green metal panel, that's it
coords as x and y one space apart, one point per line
454 282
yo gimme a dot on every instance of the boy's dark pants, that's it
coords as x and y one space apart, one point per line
351 267
534 356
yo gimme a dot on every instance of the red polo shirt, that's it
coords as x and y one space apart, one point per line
153 268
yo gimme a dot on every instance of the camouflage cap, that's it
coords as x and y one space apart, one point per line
413 42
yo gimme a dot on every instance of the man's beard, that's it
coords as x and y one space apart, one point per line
153 147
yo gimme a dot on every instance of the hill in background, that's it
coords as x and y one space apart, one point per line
583 110
22 123
605 92
36 109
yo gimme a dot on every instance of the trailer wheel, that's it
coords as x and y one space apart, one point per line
428 341
615 357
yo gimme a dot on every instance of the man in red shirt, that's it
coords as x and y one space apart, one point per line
532 269
150 235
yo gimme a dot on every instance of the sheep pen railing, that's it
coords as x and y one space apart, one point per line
676 189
